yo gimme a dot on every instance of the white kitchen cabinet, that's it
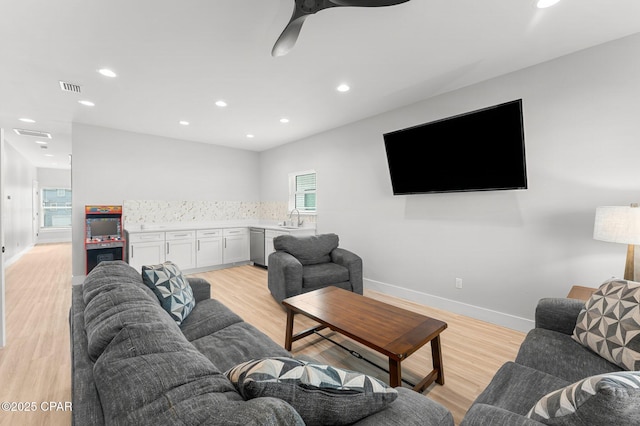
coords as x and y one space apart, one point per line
145 248
209 247
235 245
181 248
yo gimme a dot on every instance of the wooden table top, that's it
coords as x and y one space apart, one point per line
393 331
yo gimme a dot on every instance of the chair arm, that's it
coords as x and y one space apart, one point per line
558 314
284 275
353 263
201 288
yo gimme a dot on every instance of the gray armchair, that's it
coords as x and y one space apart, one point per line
303 264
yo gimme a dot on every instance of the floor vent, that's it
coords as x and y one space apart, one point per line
34 133
69 87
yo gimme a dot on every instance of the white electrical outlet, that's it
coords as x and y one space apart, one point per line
458 282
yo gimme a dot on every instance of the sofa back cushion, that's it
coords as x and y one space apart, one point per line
309 250
605 399
150 374
115 296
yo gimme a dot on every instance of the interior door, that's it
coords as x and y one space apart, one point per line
35 211
3 333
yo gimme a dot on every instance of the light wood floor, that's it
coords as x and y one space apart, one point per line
35 364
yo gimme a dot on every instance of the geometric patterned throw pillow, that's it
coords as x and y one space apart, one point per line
321 394
171 288
605 399
609 323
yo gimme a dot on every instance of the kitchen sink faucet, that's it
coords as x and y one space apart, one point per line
298 223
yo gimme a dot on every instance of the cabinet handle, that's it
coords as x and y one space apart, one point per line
132 252
167 248
198 245
181 235
225 243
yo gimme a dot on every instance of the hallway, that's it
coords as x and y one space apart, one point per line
35 366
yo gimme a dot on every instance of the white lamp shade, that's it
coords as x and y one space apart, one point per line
617 224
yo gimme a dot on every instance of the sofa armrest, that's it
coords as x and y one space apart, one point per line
353 263
409 409
489 415
284 275
558 314
201 288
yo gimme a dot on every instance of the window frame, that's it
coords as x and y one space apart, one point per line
55 207
293 193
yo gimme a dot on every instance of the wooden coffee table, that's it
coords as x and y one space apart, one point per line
392 331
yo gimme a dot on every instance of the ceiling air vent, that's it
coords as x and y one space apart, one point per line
34 133
69 87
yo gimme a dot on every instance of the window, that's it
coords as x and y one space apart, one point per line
56 208
302 191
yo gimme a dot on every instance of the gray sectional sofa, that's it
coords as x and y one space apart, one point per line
548 360
132 364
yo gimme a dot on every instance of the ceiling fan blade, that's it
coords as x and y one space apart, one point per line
367 3
304 8
289 36
301 10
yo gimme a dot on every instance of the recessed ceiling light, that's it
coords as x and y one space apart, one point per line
250 136
41 142
542 4
107 72
343 88
87 103
27 120
284 120
48 155
221 103
184 123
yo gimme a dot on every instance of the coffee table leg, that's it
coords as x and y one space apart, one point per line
395 373
288 337
436 354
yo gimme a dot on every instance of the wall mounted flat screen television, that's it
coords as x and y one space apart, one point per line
481 150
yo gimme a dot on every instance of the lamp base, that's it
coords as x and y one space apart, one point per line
629 273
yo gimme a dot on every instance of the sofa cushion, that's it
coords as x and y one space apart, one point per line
550 351
237 343
606 399
171 288
151 375
207 317
609 323
321 394
114 304
109 274
309 250
516 388
324 274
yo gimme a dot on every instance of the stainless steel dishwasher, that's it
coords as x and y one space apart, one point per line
256 246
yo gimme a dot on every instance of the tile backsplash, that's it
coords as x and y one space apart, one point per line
161 212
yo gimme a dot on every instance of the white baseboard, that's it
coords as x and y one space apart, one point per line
16 256
477 312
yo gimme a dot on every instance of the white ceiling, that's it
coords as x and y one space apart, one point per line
174 59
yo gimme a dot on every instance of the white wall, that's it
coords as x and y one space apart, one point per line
19 175
110 166
53 178
510 247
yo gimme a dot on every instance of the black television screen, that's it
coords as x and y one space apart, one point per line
103 227
481 150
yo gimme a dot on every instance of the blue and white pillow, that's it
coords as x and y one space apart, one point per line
321 394
605 399
171 288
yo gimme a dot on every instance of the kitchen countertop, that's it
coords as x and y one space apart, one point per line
214 225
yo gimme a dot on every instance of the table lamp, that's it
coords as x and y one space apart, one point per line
619 224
